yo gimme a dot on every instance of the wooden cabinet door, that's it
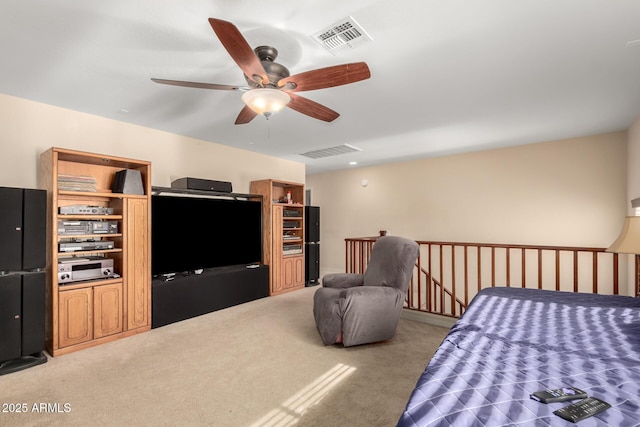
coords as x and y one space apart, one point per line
75 310
107 305
292 274
298 271
138 270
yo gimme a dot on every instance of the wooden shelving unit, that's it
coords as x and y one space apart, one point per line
283 233
83 314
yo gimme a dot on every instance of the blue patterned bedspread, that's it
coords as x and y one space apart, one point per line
512 342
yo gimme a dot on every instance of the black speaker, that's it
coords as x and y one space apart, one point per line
202 184
312 263
10 317
11 229
22 229
128 181
33 312
311 224
34 229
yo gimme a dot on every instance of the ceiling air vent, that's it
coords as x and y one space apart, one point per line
346 33
331 151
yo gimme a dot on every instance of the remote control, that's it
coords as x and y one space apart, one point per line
584 409
558 395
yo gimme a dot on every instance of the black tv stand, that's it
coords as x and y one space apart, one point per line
188 296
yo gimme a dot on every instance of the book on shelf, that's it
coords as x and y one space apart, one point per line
77 183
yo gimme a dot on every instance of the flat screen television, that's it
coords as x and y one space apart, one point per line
191 233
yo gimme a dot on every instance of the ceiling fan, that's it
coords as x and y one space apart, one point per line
270 86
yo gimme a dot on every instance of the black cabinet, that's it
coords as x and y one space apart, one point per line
214 289
22 279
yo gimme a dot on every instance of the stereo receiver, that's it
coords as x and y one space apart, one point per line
86 268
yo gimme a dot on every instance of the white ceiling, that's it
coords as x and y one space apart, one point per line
447 76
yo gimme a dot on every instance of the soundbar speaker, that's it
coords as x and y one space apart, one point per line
202 184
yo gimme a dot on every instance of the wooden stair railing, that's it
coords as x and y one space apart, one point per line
449 274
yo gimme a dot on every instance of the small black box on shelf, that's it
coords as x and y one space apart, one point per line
202 184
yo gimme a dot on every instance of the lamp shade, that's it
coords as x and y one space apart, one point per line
628 242
266 101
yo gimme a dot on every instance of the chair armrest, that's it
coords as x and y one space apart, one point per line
342 280
385 296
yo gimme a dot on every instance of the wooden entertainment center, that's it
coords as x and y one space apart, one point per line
96 303
283 232
86 313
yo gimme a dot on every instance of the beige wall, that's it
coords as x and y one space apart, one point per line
633 182
28 128
633 163
568 193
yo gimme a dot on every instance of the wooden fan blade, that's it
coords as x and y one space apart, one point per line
199 85
239 49
327 77
312 108
245 116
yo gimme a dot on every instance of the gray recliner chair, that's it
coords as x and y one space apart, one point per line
364 308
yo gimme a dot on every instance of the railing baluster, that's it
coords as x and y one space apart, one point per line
539 269
575 272
523 254
453 280
493 266
479 268
466 278
430 279
595 272
441 280
508 267
419 279
615 273
557 270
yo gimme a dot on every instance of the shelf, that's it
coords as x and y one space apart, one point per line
85 194
97 251
89 284
293 205
88 236
90 217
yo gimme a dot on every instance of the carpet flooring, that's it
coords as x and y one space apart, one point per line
257 364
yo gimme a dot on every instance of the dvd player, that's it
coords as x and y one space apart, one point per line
84 210
85 246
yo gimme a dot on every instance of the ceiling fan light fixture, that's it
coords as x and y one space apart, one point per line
266 101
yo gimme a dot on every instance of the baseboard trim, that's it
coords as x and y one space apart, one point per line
430 318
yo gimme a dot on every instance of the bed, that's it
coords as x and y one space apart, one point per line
512 342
